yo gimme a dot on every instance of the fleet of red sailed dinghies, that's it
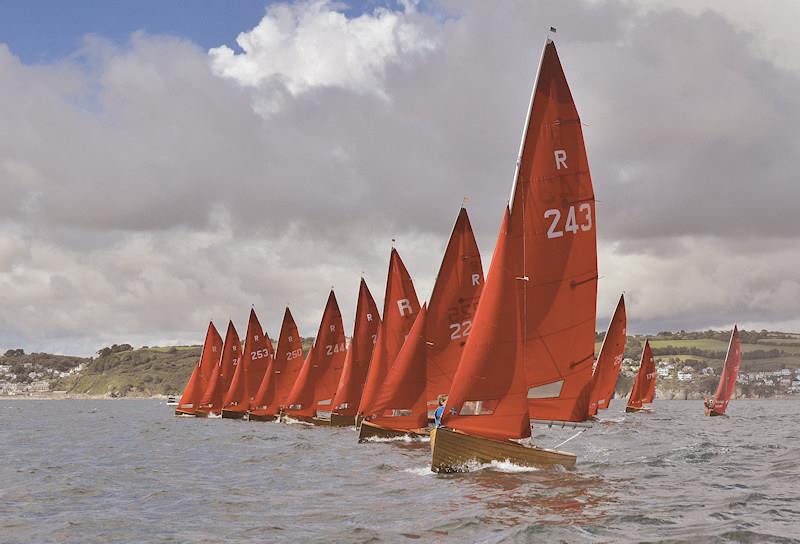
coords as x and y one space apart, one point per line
502 353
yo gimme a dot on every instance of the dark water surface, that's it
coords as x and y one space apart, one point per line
129 471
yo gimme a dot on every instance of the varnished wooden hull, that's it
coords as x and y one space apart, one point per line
179 412
454 451
342 421
233 414
370 430
712 413
631 409
261 417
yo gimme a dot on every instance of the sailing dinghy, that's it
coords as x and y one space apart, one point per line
356 362
717 405
280 374
531 350
201 375
424 368
644 388
311 397
609 361
257 354
211 403
400 308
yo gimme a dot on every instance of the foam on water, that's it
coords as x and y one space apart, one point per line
404 438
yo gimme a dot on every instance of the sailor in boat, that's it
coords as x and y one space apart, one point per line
439 412
709 403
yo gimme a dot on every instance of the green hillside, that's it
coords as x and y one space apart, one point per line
121 371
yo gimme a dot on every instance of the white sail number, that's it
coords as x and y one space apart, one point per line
460 330
571 223
294 354
330 349
259 354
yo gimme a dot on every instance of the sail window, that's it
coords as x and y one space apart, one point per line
397 412
546 391
478 407
325 402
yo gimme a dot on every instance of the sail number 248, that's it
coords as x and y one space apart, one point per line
571 224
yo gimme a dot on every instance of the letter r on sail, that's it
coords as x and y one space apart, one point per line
404 304
561 158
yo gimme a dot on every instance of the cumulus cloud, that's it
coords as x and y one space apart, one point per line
152 185
310 44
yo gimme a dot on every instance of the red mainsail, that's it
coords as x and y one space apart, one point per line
282 370
356 362
400 307
451 311
202 372
223 374
609 362
400 403
644 387
425 366
316 383
727 381
249 373
531 350
488 394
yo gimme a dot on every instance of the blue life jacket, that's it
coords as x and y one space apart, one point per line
437 416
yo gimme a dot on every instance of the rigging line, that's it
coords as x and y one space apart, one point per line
576 435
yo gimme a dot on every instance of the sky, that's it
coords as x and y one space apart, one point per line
167 163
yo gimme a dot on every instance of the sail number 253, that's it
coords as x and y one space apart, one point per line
571 224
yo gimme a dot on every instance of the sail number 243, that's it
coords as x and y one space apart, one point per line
580 219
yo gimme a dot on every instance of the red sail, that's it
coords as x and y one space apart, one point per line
645 385
249 372
488 394
282 370
604 379
452 308
316 384
553 228
727 381
201 375
223 374
356 363
400 403
400 307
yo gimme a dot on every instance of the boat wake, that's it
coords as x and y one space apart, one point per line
405 438
420 471
291 421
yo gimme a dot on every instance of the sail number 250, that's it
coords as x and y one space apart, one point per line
584 213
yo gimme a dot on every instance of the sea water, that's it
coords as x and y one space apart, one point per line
129 471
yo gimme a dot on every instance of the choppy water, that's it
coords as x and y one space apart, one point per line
129 471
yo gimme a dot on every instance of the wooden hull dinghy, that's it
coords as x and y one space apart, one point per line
280 373
454 451
311 395
717 405
370 430
256 357
356 363
530 351
201 374
644 388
